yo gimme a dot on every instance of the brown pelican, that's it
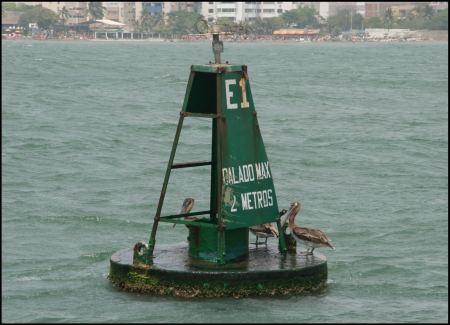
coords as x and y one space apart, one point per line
265 230
312 238
187 206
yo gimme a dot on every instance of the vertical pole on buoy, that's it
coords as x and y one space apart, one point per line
217 45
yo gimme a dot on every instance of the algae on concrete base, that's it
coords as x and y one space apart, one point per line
136 282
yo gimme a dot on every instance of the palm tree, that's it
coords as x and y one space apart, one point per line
150 22
388 18
64 15
95 10
156 22
144 22
137 26
226 24
427 11
243 28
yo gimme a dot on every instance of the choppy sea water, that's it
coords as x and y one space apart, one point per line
358 133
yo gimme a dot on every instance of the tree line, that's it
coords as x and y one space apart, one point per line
45 18
182 22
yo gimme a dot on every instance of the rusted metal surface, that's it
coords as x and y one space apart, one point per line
199 115
217 68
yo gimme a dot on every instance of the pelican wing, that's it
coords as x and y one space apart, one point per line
258 228
312 235
271 228
187 206
267 228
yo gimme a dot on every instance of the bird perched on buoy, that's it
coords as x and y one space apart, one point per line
187 206
265 230
312 238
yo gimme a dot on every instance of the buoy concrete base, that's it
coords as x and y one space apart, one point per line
264 272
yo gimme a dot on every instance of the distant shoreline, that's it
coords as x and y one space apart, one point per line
373 36
240 42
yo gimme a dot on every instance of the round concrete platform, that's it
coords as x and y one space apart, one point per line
265 272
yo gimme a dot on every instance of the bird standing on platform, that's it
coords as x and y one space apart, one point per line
187 206
265 230
312 238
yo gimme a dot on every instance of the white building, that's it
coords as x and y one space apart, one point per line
327 9
76 10
242 11
165 7
122 12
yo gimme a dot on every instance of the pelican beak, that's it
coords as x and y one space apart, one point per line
275 232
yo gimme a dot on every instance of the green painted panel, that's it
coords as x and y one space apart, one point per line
247 193
204 244
201 94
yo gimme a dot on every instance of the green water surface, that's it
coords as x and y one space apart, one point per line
358 133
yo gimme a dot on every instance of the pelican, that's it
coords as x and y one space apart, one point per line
187 206
265 230
312 238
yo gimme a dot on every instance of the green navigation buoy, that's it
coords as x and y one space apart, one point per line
217 260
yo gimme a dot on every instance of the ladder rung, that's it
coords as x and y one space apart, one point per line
197 223
188 114
199 213
191 164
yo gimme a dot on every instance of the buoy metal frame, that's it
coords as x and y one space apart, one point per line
217 261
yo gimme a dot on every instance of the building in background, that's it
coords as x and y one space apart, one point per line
129 12
377 9
166 7
439 5
150 7
77 11
184 6
311 4
10 22
244 11
327 9
121 12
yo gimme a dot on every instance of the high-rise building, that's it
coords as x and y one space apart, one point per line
184 6
122 12
244 11
166 7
